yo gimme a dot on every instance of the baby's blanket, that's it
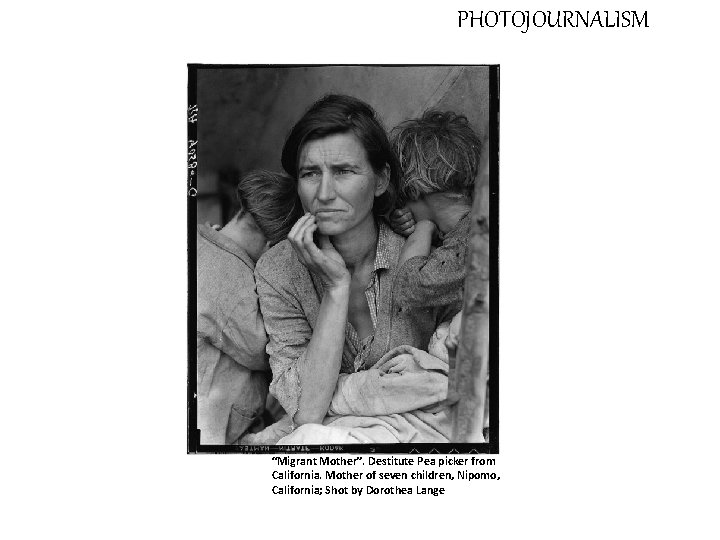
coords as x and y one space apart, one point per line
398 400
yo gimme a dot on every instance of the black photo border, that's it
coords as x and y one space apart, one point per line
194 116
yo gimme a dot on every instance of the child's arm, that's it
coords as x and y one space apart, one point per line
419 242
436 279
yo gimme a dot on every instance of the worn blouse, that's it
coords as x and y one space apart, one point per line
290 297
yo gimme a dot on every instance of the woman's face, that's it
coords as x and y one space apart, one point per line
336 182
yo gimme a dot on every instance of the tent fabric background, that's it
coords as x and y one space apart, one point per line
246 112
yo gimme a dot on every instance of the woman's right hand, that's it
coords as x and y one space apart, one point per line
324 260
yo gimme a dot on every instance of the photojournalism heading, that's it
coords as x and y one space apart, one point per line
524 20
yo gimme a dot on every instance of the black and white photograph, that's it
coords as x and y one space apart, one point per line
342 240
260 278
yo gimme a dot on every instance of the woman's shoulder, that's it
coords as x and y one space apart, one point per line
279 263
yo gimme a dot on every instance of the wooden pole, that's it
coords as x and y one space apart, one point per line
467 386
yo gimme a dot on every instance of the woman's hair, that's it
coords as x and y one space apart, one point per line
271 199
437 152
345 114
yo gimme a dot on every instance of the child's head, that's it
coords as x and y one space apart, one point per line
270 200
438 152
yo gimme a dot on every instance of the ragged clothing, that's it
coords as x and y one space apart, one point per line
232 367
290 297
399 400
404 380
437 280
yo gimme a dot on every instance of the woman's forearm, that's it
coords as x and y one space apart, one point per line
321 366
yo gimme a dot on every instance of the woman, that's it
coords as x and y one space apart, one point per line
326 292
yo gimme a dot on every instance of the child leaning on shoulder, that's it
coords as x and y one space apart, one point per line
233 373
440 156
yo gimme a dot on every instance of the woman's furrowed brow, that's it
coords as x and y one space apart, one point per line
344 165
309 167
340 164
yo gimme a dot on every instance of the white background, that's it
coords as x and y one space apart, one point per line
608 271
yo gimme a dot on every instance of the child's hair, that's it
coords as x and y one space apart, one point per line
437 152
271 199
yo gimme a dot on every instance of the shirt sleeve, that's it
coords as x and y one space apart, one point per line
436 280
288 336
